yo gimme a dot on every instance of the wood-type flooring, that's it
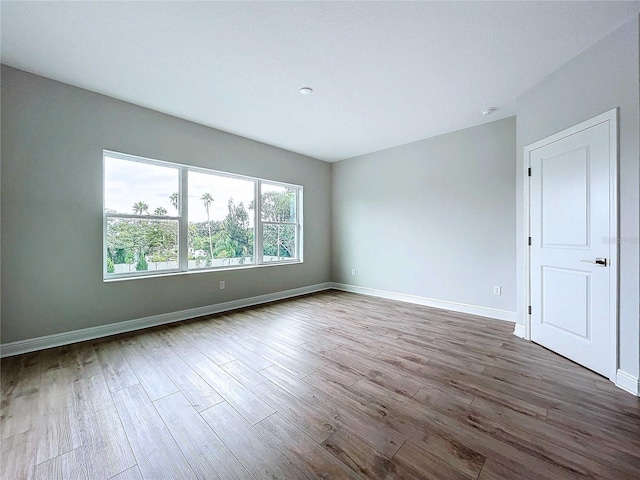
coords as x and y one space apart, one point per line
329 385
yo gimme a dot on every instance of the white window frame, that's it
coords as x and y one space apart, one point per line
183 220
297 224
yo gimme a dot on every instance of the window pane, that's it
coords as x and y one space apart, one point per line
278 242
278 203
221 226
140 188
141 245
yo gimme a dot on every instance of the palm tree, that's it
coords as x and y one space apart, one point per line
174 200
140 207
207 199
226 248
160 211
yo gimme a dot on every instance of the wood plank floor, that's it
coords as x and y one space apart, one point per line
330 385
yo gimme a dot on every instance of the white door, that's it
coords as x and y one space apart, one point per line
571 289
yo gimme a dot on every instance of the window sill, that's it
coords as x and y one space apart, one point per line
200 271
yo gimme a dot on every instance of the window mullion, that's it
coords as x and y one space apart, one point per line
298 224
257 240
183 223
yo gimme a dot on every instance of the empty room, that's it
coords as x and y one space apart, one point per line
320 240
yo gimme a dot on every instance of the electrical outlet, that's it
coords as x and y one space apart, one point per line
353 272
221 284
497 290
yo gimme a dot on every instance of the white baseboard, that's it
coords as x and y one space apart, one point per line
519 331
430 302
628 382
58 339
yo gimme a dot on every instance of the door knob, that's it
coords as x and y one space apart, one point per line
601 262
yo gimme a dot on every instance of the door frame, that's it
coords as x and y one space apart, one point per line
611 117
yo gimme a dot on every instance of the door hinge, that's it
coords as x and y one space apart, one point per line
529 171
529 309
529 240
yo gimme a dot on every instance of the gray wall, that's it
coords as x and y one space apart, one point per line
52 140
603 77
434 218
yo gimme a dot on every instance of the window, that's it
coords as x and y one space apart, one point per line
278 214
163 218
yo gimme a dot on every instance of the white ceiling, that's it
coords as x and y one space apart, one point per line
383 73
